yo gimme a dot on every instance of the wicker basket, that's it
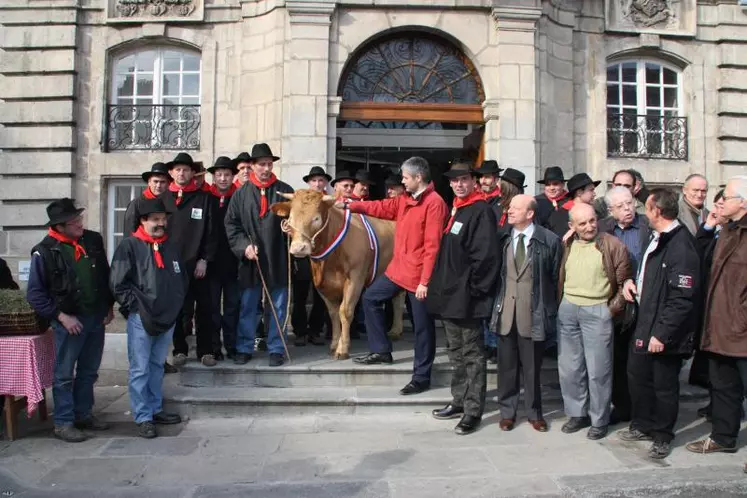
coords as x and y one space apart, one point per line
22 323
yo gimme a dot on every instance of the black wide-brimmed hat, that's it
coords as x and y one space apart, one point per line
243 157
459 169
223 162
144 207
316 171
199 168
262 150
364 177
515 177
342 175
579 181
62 211
156 169
552 174
394 181
489 167
181 158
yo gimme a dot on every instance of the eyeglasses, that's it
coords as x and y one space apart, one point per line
730 197
623 185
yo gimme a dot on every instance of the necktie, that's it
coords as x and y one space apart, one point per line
521 253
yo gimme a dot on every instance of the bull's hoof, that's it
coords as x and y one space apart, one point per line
340 356
394 336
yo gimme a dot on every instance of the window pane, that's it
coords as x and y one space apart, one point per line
191 62
613 97
122 196
170 101
126 64
653 96
670 77
143 132
145 85
629 95
191 100
630 142
652 73
119 220
613 73
146 60
124 111
171 84
670 97
117 240
191 84
629 71
124 85
171 61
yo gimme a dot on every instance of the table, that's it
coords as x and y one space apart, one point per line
26 370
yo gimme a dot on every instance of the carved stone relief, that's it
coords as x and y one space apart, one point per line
154 10
674 17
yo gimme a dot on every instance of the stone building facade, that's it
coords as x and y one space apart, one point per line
94 91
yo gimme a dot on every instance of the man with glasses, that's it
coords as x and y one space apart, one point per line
692 202
626 179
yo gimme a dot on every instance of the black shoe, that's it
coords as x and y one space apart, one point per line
146 430
168 368
260 344
219 356
467 425
374 359
634 435
448 412
490 352
300 341
659 450
163 418
414 387
617 417
241 358
705 411
316 340
596 433
575 424
276 360
230 354
69 434
92 423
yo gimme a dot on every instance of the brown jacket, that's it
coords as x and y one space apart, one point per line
726 301
616 263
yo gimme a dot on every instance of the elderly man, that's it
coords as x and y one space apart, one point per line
625 179
632 230
667 292
525 310
467 257
420 218
581 190
145 268
343 185
69 285
553 195
725 333
256 238
595 266
692 202
362 187
394 186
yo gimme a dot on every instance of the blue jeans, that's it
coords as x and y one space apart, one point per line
491 338
78 358
147 354
248 319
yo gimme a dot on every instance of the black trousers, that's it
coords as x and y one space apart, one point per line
224 292
654 393
699 370
198 292
728 385
467 356
313 323
519 356
620 390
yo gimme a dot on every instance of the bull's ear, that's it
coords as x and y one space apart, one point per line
281 209
286 195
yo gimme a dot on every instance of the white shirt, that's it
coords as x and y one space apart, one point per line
528 232
651 248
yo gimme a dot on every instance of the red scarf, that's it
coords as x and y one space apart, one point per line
143 235
237 183
191 187
79 249
148 194
557 199
262 190
492 195
206 187
569 205
473 197
504 217
214 190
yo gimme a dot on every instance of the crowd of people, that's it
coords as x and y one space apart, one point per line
622 289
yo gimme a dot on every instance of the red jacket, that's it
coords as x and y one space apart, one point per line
420 225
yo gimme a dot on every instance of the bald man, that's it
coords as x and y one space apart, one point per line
524 314
595 266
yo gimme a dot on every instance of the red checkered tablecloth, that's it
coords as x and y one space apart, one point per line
27 367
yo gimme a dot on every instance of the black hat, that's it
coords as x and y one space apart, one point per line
342 175
394 181
364 177
489 167
316 171
156 169
181 158
514 176
459 169
145 207
262 150
62 211
579 181
553 174
199 168
244 157
223 162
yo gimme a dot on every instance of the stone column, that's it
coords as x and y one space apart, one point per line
517 89
305 76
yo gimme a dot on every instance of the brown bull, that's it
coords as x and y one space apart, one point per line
313 223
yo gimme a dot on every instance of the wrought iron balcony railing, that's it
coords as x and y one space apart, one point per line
152 127
650 136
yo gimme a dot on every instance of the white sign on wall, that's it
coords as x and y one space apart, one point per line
24 269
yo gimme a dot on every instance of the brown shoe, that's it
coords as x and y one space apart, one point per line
506 424
708 445
539 425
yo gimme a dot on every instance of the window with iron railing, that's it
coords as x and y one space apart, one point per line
644 114
155 100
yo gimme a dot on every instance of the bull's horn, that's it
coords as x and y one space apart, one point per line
287 196
328 197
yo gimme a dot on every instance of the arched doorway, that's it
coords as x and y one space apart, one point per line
405 94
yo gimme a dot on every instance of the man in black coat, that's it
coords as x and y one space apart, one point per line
191 231
148 282
553 195
256 239
157 181
461 292
667 290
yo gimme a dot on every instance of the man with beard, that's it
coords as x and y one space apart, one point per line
489 181
553 195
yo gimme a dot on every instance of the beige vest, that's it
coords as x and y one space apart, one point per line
518 298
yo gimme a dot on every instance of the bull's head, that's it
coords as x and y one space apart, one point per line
306 212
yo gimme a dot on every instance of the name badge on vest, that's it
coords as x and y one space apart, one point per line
456 228
176 267
196 213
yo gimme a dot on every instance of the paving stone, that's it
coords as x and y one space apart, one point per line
218 427
46 447
255 444
350 489
152 447
493 486
349 442
203 471
111 493
284 425
536 459
96 473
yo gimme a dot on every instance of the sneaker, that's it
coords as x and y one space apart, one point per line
69 434
659 450
276 360
92 423
180 359
146 430
634 435
208 360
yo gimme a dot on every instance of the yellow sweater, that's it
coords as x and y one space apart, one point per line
586 282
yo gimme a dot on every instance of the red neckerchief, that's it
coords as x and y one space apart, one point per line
237 183
504 217
262 190
557 199
148 194
569 205
473 197
143 235
79 249
206 187
356 198
191 187
222 196
492 195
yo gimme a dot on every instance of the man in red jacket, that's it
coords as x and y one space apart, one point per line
420 217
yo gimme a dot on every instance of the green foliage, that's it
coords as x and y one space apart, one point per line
13 301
